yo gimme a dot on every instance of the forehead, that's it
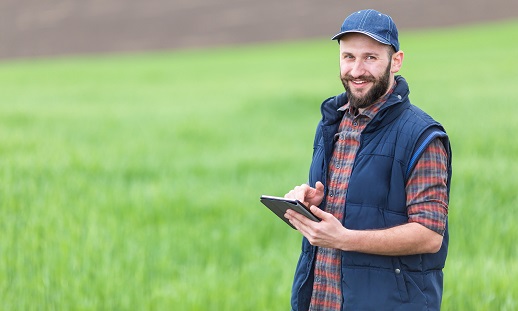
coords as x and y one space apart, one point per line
356 42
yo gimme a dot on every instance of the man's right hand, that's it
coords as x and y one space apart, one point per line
307 195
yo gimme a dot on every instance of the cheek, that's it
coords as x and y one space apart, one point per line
344 69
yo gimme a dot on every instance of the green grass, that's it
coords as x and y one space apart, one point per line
131 182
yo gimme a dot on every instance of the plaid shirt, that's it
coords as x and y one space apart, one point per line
426 198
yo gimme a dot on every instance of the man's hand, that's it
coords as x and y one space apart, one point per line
406 239
329 232
307 195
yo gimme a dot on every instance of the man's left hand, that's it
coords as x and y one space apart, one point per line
328 232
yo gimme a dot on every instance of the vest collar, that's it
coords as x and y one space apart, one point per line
396 102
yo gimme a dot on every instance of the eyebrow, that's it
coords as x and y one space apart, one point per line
361 54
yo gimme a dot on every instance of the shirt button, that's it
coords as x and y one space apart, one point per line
399 96
397 271
355 123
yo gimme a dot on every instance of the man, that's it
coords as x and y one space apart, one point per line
379 181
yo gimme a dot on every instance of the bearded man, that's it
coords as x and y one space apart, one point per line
379 181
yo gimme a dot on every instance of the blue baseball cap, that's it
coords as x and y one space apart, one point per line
372 23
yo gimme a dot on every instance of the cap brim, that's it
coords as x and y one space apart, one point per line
373 36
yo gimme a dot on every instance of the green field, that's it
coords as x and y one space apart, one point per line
131 182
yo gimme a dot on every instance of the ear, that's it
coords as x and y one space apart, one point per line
397 61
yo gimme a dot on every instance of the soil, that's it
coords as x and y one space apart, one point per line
62 27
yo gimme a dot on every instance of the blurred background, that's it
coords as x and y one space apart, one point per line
57 27
136 138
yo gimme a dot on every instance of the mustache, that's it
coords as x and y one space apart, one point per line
348 77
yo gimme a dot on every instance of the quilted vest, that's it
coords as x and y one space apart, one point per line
390 146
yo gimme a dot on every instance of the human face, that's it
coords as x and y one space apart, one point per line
367 68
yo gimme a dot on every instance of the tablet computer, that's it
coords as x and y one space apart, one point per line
279 206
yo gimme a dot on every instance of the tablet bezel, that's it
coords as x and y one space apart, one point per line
279 206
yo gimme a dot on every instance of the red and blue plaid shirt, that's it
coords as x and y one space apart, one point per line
426 191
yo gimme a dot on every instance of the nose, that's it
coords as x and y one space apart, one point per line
357 69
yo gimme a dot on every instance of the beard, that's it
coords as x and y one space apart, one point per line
378 89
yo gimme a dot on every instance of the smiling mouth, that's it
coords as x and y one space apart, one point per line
359 83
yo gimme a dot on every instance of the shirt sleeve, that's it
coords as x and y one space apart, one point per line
426 189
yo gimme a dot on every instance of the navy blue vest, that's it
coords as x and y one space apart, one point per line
390 146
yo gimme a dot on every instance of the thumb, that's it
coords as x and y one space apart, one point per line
318 212
319 187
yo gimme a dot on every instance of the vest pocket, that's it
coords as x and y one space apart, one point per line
400 279
365 288
372 289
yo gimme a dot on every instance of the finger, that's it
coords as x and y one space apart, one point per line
319 213
301 192
297 225
319 187
297 221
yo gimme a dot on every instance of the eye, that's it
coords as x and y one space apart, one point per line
371 57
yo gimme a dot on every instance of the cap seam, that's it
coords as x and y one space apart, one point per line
364 18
